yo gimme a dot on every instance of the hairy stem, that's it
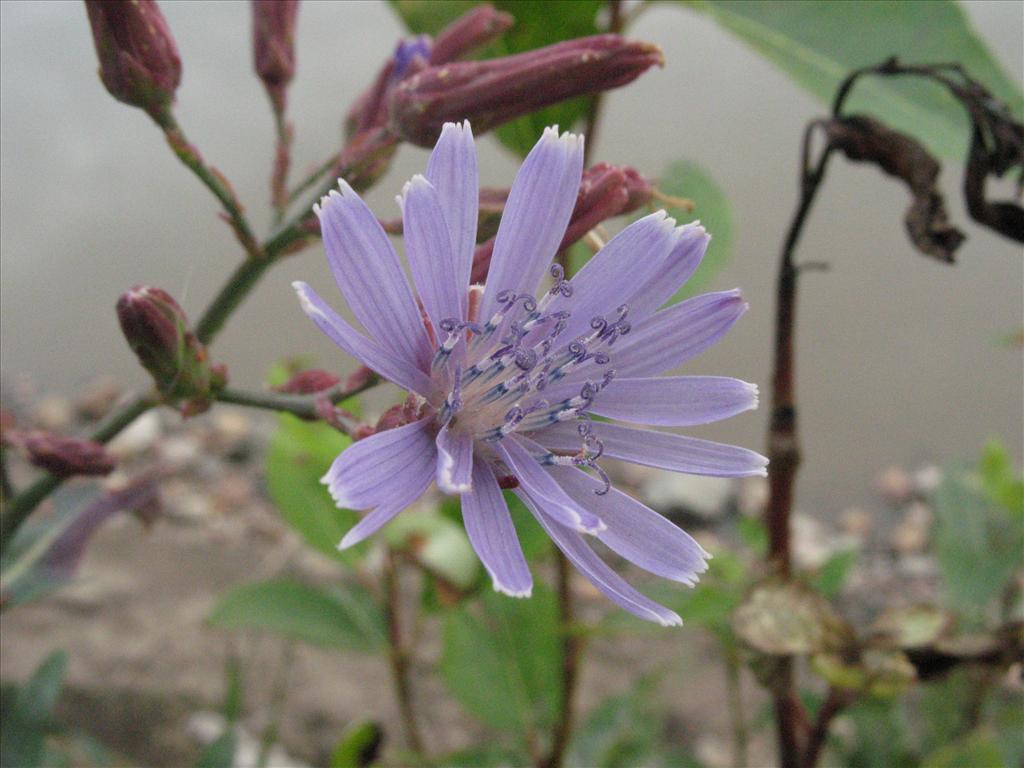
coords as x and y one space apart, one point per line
15 514
213 181
398 655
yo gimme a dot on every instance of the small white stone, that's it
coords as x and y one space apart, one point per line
703 496
138 437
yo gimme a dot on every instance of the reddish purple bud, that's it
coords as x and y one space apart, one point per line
605 191
273 45
139 61
468 32
489 93
67 456
308 382
159 334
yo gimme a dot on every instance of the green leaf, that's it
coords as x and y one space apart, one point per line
978 544
976 749
486 756
220 753
817 44
532 538
686 179
347 619
25 725
832 575
999 481
538 23
622 731
299 454
358 745
438 543
501 657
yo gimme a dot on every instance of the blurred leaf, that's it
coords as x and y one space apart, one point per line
234 695
221 752
500 662
753 534
832 575
912 627
358 745
299 454
786 618
978 544
534 541
686 179
620 732
347 619
487 756
878 673
880 736
25 725
817 44
977 750
538 23
999 481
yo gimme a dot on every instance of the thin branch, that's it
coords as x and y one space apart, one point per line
570 664
398 655
282 162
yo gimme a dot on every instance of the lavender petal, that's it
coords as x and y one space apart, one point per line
539 205
541 486
428 247
637 532
613 586
454 460
662 450
493 536
369 275
680 265
675 401
385 468
452 169
634 256
368 352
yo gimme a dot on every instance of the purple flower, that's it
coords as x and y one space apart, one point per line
505 393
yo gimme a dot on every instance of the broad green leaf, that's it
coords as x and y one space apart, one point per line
1002 485
501 659
347 619
532 539
300 453
538 23
622 731
817 44
978 544
976 749
688 180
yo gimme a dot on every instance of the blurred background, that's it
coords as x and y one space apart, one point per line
903 362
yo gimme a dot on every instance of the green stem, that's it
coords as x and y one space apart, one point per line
22 505
570 664
213 181
310 181
282 162
399 656
242 280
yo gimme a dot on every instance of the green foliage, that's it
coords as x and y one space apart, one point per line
29 719
976 749
686 179
501 657
535 543
817 44
438 543
999 482
220 753
879 739
979 540
299 454
348 619
538 23
621 731
357 746
831 577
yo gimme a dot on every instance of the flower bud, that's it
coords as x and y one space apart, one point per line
67 456
462 36
489 93
605 191
468 32
139 61
308 382
273 45
159 335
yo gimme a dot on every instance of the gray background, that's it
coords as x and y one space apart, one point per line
898 360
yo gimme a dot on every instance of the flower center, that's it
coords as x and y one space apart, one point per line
498 376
